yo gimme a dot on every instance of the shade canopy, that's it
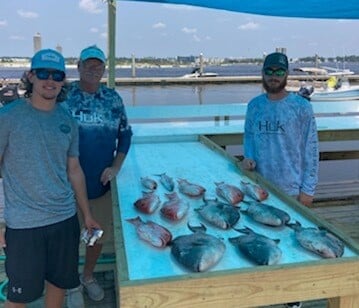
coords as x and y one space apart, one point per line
338 9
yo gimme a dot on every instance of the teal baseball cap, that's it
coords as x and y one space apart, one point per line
277 59
92 52
48 58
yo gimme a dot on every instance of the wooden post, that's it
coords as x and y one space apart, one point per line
201 63
111 42
133 66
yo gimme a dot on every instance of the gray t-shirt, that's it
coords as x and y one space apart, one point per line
35 146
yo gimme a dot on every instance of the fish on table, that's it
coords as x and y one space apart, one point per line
148 183
318 240
232 194
167 181
219 214
258 248
175 208
148 203
199 251
151 232
190 189
265 214
254 191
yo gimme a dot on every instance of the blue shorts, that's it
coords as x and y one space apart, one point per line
34 255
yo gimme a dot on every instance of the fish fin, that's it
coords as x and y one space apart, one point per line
233 240
194 229
244 230
293 225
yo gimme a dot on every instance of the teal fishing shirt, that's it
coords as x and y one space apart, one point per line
103 132
281 137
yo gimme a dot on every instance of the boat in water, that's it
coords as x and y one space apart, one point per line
336 88
345 92
196 73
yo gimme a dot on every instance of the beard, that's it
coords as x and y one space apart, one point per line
273 86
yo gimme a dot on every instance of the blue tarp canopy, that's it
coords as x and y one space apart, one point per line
338 9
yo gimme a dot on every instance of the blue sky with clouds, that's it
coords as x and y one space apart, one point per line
156 30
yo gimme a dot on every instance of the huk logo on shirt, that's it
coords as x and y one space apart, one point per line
271 127
86 117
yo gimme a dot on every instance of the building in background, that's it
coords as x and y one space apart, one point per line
37 42
281 49
59 48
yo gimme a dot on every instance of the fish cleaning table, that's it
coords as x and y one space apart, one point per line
150 277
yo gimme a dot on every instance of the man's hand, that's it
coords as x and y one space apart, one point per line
248 164
305 199
108 174
2 237
90 223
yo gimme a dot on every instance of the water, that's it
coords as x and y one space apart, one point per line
185 94
188 94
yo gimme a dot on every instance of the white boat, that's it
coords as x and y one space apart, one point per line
196 73
312 71
342 93
337 86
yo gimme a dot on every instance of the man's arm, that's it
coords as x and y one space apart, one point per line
77 179
311 159
110 172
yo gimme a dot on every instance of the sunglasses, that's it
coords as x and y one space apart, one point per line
280 72
44 74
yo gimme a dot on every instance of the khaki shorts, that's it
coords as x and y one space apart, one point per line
101 210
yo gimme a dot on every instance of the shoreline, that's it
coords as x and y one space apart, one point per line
26 65
293 80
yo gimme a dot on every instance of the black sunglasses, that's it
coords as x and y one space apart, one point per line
44 74
280 72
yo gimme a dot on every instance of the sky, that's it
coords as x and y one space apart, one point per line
158 30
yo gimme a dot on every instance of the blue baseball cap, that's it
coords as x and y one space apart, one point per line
48 58
276 59
92 52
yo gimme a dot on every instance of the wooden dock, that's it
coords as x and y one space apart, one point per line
163 81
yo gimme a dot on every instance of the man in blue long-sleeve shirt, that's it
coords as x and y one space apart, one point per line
280 139
104 140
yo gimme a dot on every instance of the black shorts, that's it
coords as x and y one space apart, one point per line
34 255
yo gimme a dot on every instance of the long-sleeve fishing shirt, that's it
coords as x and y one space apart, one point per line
103 131
281 137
